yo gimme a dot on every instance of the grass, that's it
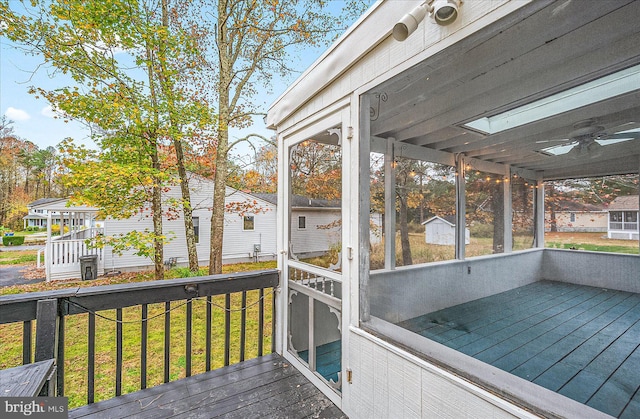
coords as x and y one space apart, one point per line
422 252
76 327
20 257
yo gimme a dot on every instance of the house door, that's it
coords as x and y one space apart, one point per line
312 228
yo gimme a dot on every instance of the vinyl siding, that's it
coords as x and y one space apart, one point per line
237 243
315 238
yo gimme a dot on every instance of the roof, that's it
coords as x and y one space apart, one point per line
43 201
60 205
517 86
354 44
299 201
576 206
449 219
630 202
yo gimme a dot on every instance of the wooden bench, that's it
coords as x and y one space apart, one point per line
28 380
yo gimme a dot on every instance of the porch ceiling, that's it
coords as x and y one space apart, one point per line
516 62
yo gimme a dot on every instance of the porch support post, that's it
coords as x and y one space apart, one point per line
539 212
389 207
281 293
508 211
362 145
638 215
461 222
48 249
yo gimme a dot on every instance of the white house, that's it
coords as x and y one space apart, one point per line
523 92
569 215
623 218
249 234
38 214
442 231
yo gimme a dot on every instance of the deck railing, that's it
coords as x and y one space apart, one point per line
56 316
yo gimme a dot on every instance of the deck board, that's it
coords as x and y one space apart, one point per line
582 342
263 387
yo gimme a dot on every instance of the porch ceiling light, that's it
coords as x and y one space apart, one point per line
444 12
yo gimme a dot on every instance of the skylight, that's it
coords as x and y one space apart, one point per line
615 84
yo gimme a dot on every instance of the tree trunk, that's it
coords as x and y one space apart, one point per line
497 205
167 86
156 205
219 192
187 209
220 177
404 232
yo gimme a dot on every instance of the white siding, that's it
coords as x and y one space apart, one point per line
237 245
391 383
314 239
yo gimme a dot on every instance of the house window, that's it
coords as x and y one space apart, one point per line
248 222
196 228
573 217
302 222
630 220
615 220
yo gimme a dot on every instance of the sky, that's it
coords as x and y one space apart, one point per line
34 121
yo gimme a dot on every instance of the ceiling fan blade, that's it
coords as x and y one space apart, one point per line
623 136
563 140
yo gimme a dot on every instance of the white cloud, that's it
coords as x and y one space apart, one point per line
16 114
48 112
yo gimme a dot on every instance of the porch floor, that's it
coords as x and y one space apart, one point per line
579 341
262 387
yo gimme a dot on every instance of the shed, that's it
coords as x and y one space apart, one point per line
442 231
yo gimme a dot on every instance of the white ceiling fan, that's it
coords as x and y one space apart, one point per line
588 139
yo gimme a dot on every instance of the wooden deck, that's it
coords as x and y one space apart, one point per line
263 387
582 342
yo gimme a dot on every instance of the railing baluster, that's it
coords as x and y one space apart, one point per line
60 357
208 336
143 345
91 358
167 339
243 325
118 351
26 342
261 322
188 337
227 327
273 320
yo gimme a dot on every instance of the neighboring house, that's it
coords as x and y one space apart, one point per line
315 225
442 231
575 216
249 234
38 216
623 218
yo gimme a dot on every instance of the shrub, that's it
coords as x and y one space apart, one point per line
13 240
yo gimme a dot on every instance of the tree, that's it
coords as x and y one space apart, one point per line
253 40
127 58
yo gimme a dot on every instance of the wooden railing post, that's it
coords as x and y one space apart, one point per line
47 337
46 329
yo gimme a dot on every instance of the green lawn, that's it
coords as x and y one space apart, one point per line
21 257
594 247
